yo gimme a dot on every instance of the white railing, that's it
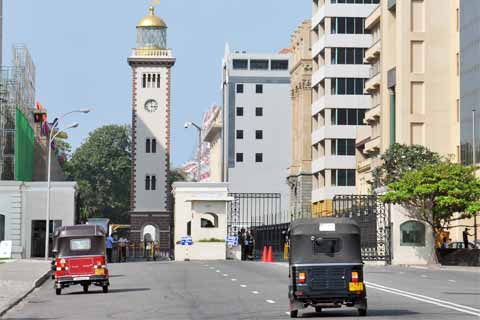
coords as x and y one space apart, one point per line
148 52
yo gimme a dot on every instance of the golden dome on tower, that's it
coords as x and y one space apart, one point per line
152 21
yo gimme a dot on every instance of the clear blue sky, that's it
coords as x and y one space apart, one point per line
80 50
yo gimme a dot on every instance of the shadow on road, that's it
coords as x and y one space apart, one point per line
353 313
110 291
116 275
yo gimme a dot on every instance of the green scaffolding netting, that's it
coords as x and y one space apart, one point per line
24 148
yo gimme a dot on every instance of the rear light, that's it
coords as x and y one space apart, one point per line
302 277
299 293
355 276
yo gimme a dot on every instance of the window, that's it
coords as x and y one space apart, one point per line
259 88
259 112
347 55
279 64
412 234
258 157
151 80
259 64
343 147
259 134
239 157
239 112
347 86
80 244
154 182
351 117
147 183
154 145
210 220
240 64
239 134
239 88
342 25
343 177
327 246
147 146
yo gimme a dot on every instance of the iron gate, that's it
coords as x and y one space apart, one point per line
374 221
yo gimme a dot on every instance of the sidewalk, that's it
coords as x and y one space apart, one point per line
448 268
19 278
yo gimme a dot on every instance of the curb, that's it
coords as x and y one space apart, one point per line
16 300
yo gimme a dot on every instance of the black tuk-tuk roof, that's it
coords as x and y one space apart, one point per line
311 226
324 241
81 230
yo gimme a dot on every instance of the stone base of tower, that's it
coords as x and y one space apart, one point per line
160 222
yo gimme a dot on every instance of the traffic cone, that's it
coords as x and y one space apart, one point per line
264 255
270 254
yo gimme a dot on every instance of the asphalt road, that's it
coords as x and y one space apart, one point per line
249 290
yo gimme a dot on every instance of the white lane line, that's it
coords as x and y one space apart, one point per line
270 301
255 292
452 281
243 285
424 276
225 275
217 271
422 298
234 280
419 267
287 313
401 272
211 268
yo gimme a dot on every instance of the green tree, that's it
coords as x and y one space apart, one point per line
399 159
434 193
102 168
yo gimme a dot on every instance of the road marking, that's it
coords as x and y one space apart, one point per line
234 279
424 276
211 268
419 267
225 275
287 313
255 292
422 298
452 281
243 285
270 301
401 272
217 271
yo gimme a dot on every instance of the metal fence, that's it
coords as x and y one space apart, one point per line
139 252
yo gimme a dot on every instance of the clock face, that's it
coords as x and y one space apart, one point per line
151 105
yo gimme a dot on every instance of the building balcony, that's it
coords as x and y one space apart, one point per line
333 162
342 10
213 131
150 52
325 193
363 134
341 41
373 53
340 71
364 166
341 101
373 146
373 84
374 18
334 132
373 115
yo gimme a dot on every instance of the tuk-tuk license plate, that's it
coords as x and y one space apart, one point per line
355 286
99 272
81 278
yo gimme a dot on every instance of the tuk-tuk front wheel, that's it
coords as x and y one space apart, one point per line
105 289
58 291
294 314
85 288
318 309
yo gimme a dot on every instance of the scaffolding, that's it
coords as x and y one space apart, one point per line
17 99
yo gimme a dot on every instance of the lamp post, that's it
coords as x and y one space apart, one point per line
474 144
51 137
199 153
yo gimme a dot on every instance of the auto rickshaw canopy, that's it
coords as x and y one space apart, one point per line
79 240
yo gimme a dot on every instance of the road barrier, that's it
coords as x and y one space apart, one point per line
138 251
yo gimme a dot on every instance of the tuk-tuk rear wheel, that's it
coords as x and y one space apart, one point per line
105 289
293 313
58 291
362 312
318 309
85 288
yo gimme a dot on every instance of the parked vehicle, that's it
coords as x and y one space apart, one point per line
80 258
325 265
460 245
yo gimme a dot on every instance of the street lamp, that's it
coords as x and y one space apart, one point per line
51 136
474 144
199 153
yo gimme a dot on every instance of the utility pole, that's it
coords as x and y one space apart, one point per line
1 32
474 158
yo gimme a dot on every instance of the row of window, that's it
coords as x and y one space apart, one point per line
258 157
151 145
348 117
151 182
355 1
343 177
151 80
258 112
343 25
347 86
258 134
241 88
348 55
260 64
343 147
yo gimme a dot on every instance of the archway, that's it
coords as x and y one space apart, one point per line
150 233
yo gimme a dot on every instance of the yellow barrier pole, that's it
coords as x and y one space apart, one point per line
285 251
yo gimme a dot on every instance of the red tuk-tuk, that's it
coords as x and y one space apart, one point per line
80 257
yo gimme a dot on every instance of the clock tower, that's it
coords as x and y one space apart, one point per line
151 62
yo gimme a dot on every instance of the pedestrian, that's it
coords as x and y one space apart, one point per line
243 246
250 245
122 244
444 243
109 245
465 238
